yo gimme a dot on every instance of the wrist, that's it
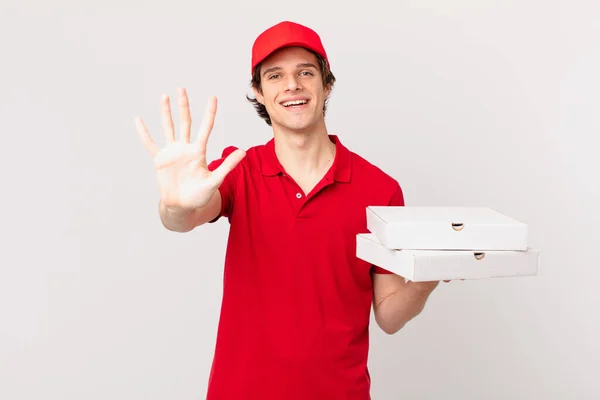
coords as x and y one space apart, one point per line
175 210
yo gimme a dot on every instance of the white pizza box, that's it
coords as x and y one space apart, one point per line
437 265
445 228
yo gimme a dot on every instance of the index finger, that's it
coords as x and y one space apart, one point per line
206 126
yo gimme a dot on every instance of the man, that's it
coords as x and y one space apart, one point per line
296 304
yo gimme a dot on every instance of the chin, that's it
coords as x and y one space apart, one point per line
298 127
300 124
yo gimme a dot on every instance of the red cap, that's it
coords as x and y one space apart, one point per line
285 34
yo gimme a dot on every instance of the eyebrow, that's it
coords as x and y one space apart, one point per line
301 65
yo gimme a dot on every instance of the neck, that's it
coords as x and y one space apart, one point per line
304 154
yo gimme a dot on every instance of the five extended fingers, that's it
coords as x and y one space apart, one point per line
199 146
185 124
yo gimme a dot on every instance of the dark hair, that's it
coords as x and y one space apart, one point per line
326 74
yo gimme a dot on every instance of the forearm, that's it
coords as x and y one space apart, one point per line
398 308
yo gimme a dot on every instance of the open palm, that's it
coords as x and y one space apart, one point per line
184 180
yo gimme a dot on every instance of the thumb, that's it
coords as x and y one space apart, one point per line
228 165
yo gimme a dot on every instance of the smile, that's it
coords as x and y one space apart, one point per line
294 103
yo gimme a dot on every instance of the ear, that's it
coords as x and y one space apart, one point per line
327 90
258 95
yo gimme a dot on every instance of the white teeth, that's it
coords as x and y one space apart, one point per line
294 103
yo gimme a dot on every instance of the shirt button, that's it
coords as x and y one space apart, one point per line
298 195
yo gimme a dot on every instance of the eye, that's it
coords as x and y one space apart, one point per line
273 76
306 73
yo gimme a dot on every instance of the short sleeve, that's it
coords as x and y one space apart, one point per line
397 199
227 188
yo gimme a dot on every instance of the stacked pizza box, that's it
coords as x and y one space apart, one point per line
446 243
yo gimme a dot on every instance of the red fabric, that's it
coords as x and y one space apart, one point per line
284 34
296 305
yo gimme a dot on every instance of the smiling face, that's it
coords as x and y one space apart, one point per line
292 90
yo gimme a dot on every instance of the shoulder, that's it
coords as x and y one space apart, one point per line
364 169
381 186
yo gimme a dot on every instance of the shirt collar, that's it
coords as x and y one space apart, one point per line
341 168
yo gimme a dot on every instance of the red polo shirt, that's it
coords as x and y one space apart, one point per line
296 303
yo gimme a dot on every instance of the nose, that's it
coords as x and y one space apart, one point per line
292 83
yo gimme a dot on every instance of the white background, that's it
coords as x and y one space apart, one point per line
490 103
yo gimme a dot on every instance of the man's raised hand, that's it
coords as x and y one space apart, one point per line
184 180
